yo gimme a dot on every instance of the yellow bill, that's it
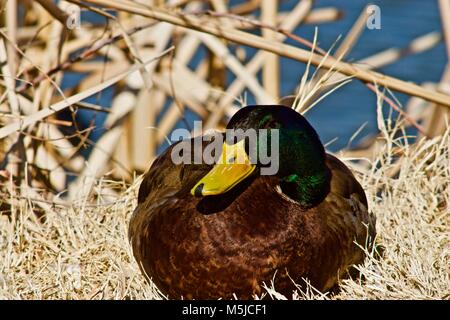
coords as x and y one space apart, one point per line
233 166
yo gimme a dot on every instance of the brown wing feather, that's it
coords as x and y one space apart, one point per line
344 181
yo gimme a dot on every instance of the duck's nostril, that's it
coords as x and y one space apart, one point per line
198 190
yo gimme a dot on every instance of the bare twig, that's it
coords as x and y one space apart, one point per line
20 125
55 11
83 55
263 25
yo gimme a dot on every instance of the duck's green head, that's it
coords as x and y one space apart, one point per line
288 140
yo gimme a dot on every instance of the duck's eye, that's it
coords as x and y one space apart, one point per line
232 159
272 124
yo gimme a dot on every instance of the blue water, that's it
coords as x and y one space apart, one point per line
342 113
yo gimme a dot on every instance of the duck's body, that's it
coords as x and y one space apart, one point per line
231 243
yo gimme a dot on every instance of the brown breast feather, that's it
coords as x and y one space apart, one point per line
214 246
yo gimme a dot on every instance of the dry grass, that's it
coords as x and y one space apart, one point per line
82 251
413 225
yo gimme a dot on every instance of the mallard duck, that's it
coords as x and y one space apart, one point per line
224 230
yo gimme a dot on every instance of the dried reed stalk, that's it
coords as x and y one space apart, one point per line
271 67
435 123
322 15
328 78
291 21
54 10
190 22
31 119
11 28
444 9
